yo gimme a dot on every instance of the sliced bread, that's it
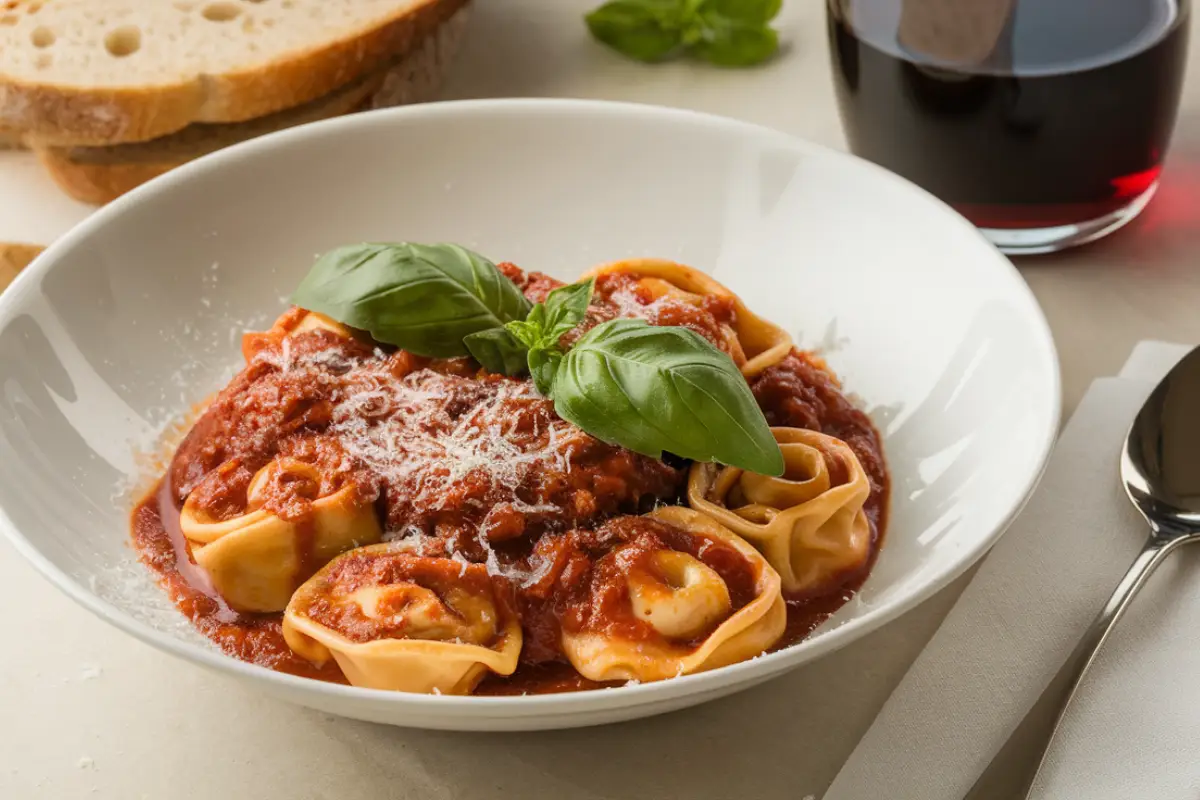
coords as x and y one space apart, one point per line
14 258
100 72
100 174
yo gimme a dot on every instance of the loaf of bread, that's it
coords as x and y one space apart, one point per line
14 258
115 71
99 174
111 93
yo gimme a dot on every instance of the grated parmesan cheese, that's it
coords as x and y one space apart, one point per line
426 435
403 430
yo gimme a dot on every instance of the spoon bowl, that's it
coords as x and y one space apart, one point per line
1161 463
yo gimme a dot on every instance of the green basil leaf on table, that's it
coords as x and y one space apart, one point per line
750 12
647 30
729 33
733 43
498 351
654 389
423 298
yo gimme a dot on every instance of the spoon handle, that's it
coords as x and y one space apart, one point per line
1029 744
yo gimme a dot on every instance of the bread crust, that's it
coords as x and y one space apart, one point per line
99 183
10 140
201 138
48 114
14 258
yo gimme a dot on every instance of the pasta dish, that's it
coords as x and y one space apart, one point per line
438 474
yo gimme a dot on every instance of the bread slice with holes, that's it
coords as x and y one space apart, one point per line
106 72
100 174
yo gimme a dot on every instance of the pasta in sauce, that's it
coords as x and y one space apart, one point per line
349 511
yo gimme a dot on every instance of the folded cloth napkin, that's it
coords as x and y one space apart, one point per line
1133 732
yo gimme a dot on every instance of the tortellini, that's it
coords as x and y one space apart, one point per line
293 322
664 612
753 342
809 523
256 559
396 620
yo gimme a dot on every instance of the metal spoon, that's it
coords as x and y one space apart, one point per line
1161 472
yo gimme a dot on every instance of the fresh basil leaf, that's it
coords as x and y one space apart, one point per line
498 351
647 30
566 307
536 318
733 43
543 368
569 304
525 331
423 298
537 335
749 12
653 389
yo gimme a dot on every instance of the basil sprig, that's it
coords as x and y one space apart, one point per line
729 33
424 298
533 342
565 307
651 389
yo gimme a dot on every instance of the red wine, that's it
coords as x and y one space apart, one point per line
1021 113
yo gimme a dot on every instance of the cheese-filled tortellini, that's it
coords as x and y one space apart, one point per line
393 619
674 593
753 342
257 558
809 523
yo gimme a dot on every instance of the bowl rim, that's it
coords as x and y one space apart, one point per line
516 706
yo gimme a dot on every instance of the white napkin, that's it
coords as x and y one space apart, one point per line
1134 730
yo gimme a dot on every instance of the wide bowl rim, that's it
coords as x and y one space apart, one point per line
517 706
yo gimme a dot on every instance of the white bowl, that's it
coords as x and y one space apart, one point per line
135 315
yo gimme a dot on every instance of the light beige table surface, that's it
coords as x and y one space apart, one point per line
90 713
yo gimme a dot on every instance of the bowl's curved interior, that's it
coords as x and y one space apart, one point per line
136 315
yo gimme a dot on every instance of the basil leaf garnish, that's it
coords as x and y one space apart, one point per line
647 388
538 333
566 307
653 389
423 298
529 331
497 351
543 366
